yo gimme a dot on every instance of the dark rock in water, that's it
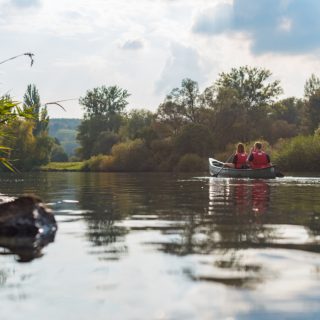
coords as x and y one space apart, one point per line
26 216
26 226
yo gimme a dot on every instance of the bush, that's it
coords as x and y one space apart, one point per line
191 163
99 163
132 155
300 153
126 156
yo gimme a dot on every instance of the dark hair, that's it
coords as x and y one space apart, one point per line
240 148
258 145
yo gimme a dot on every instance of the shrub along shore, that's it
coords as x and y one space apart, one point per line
298 154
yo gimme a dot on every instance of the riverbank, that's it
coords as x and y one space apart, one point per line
63 166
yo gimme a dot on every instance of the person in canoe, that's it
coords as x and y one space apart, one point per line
258 158
239 159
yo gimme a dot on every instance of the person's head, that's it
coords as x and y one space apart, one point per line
258 145
240 148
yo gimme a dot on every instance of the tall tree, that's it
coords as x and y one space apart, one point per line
104 101
104 107
252 85
250 93
311 86
31 101
187 98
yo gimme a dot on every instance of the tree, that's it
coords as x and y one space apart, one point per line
252 85
311 86
31 101
137 124
312 109
171 114
194 138
104 102
181 106
241 98
104 108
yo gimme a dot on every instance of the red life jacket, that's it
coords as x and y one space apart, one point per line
241 160
260 160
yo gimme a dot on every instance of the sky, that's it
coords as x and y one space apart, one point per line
149 46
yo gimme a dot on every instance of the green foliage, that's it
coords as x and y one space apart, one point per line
100 163
311 86
194 138
126 156
251 84
312 109
104 142
137 124
58 154
104 101
103 117
181 106
163 153
27 150
132 155
40 115
300 153
63 166
191 162
11 111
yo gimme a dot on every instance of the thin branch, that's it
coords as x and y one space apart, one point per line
29 54
58 103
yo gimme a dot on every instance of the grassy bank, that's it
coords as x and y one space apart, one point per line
62 166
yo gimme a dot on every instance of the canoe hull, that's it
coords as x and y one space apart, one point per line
215 168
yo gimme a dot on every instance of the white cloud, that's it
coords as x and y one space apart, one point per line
145 46
285 24
183 62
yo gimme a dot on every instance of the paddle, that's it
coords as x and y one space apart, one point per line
216 175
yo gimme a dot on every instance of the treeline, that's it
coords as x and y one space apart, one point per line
187 127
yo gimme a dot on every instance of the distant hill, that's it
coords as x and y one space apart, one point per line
65 130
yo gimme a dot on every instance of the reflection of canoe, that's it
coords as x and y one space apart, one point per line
215 168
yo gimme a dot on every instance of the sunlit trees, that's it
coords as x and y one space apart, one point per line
104 108
10 113
241 99
252 84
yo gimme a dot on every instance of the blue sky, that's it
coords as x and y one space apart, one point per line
149 46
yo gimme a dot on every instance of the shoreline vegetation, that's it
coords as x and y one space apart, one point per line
187 128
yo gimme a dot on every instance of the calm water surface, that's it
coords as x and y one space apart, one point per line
160 246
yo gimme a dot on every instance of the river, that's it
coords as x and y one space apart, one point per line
165 246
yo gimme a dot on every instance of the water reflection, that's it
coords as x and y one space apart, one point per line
25 248
170 243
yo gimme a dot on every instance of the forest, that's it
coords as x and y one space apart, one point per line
241 105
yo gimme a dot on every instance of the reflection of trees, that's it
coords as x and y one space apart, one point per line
241 215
